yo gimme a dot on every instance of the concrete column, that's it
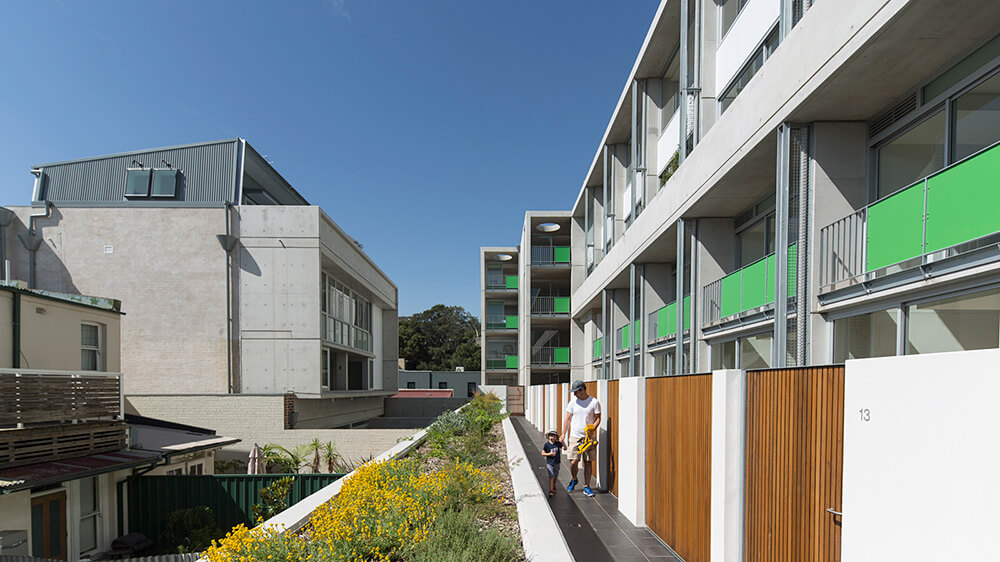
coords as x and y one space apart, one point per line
601 466
632 449
728 450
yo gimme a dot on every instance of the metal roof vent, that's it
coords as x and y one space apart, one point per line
900 110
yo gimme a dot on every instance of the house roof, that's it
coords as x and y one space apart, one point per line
424 393
41 474
100 303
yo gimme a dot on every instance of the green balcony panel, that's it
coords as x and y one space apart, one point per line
598 347
963 202
512 361
687 312
561 305
512 322
663 322
561 254
754 285
625 337
895 228
512 281
561 355
638 333
769 270
496 363
731 292
793 268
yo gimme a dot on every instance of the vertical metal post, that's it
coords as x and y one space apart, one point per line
779 343
609 336
643 337
604 331
634 150
785 19
679 300
682 84
802 284
693 260
631 321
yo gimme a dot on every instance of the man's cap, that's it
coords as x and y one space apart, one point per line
552 432
577 385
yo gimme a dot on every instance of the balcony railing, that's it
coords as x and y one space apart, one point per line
550 255
626 334
663 322
550 356
499 281
54 442
550 306
501 363
746 289
598 348
28 397
950 212
501 322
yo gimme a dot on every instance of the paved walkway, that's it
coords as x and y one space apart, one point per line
593 527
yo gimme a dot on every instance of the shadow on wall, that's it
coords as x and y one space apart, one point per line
50 272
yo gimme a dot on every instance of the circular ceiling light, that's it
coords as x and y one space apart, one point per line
547 227
503 257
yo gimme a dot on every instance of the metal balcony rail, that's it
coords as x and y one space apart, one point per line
501 322
598 348
550 356
663 322
500 280
550 255
626 334
32 396
501 362
749 288
950 212
549 306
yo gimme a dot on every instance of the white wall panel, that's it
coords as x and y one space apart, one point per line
747 32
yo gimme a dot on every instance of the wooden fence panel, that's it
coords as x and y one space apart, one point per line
679 463
515 400
560 407
611 408
794 464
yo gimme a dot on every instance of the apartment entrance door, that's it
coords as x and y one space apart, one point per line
48 526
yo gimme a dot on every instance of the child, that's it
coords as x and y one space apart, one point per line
553 450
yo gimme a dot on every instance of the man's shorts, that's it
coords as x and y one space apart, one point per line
572 451
553 469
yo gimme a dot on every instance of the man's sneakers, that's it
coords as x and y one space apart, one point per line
572 485
588 492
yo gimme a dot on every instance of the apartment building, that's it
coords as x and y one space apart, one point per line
499 301
246 308
787 183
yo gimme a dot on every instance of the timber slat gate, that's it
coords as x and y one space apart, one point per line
612 412
515 400
794 464
151 499
679 463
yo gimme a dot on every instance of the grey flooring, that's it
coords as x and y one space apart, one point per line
593 527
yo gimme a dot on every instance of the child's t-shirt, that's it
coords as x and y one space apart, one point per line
557 458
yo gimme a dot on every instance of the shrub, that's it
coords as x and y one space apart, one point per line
457 537
191 529
273 498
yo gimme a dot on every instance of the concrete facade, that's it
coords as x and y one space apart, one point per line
464 383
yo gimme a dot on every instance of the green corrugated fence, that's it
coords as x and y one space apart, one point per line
151 499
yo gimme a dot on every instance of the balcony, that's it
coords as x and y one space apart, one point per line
501 363
945 222
598 348
626 334
550 306
497 281
547 356
51 415
663 322
747 290
501 322
550 255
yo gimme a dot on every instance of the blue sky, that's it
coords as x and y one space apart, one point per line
449 119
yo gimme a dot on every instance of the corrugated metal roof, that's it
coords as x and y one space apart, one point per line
29 476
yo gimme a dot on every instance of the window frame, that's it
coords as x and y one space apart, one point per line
95 515
99 349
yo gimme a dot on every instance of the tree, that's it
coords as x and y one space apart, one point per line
440 339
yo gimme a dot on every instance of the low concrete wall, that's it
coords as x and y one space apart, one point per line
420 407
399 423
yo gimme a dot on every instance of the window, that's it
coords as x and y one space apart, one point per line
91 348
472 389
961 323
196 469
90 513
411 384
164 183
442 385
911 156
724 355
755 351
756 241
175 472
865 335
324 368
346 316
977 118
749 70
137 182
728 10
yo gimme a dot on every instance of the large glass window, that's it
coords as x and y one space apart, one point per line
959 323
724 355
749 70
911 156
91 348
977 118
865 335
756 241
755 351
89 514
728 10
347 317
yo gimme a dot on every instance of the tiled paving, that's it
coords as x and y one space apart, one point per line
593 527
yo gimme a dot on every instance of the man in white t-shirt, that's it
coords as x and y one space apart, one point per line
581 411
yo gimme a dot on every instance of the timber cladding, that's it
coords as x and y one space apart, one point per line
560 410
794 463
679 463
612 412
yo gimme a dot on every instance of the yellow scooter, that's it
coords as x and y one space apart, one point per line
587 442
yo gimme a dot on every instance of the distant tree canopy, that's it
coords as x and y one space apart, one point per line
440 339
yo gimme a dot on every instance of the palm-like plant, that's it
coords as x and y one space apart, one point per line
331 456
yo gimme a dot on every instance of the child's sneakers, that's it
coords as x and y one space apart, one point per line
572 485
588 492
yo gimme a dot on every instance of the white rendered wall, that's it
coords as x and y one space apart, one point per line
745 35
728 442
668 142
601 464
920 472
632 450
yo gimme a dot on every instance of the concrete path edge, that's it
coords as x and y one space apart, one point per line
539 528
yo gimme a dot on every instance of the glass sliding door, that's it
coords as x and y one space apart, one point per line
976 118
961 323
912 155
865 335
